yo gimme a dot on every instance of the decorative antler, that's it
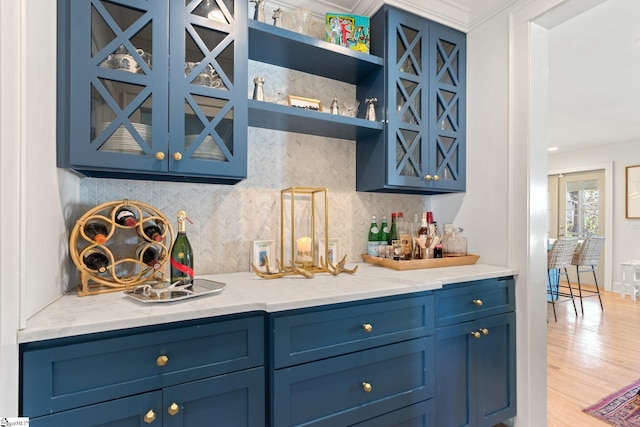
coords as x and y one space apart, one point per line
282 271
338 268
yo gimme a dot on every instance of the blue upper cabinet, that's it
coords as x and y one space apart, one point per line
150 89
423 147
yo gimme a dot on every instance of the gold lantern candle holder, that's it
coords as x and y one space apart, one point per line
304 220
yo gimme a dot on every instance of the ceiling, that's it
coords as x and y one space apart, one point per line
594 62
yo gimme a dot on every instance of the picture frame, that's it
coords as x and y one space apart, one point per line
347 30
334 250
306 103
263 249
632 192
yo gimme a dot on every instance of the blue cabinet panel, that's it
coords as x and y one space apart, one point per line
419 415
318 334
334 392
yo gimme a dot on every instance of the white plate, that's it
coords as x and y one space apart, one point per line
200 287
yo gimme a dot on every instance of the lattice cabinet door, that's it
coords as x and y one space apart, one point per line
208 78
447 108
407 89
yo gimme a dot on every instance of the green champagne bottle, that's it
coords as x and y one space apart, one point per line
374 235
182 254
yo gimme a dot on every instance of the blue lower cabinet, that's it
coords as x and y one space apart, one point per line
475 372
419 415
348 389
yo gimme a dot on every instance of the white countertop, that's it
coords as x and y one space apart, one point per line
244 292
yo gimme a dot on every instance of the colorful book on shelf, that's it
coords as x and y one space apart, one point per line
348 30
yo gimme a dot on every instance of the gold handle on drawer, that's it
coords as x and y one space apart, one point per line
150 416
476 334
484 331
173 409
367 387
159 155
162 360
436 177
428 178
177 156
478 302
367 327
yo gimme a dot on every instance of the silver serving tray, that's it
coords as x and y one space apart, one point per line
200 287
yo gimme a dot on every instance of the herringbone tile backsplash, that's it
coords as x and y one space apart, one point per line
226 219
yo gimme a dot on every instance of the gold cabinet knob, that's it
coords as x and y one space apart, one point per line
162 360
173 409
367 387
367 327
484 331
149 417
436 177
428 177
159 155
476 334
478 302
177 156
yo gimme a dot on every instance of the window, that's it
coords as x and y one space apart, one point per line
582 213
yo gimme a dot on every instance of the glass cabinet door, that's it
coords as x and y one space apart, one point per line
407 76
118 85
447 108
208 116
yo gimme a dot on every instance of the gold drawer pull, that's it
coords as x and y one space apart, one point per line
478 302
367 387
367 327
150 416
436 177
484 331
159 155
162 360
476 334
177 156
428 178
173 409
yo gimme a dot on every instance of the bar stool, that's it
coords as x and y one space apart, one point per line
558 260
586 260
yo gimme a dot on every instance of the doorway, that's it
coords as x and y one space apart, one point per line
577 209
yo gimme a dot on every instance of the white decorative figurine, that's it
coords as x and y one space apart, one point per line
258 15
258 91
371 109
277 18
334 106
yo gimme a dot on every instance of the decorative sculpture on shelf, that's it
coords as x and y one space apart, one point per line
277 18
371 109
334 106
258 15
258 90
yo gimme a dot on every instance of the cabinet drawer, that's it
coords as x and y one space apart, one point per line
318 334
419 415
474 300
332 392
68 375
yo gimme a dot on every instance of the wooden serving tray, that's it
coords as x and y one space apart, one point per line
416 264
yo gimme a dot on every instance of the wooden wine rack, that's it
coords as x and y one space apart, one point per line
125 269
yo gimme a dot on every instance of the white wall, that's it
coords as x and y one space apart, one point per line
626 232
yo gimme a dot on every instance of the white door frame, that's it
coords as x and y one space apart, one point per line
608 212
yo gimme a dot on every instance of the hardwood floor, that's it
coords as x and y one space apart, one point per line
590 356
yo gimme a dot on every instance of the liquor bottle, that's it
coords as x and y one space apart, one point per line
125 216
423 231
97 231
373 241
153 231
96 261
393 233
150 256
182 254
404 235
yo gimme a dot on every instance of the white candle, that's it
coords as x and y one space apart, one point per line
303 244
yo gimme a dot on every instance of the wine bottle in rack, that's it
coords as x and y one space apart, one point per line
153 231
97 231
125 216
150 256
96 261
182 254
